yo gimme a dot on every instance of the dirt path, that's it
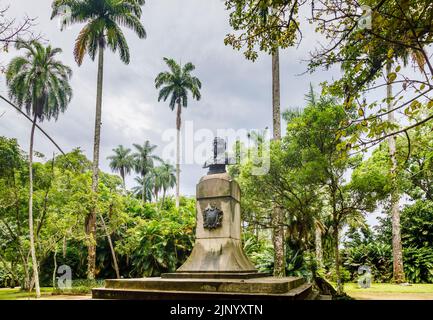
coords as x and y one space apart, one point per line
60 297
390 296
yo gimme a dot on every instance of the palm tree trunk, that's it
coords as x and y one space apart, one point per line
122 174
91 221
143 194
276 97
397 251
278 213
163 196
318 245
113 253
178 126
31 231
337 260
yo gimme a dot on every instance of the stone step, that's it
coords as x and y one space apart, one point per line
300 293
266 285
214 275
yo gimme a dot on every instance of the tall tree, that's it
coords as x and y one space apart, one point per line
175 84
102 19
155 177
144 189
259 23
397 250
39 83
167 178
121 161
144 162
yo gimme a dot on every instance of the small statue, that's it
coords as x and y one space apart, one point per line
220 158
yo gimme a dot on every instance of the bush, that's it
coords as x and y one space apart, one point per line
80 286
261 253
161 242
345 275
6 280
376 255
418 264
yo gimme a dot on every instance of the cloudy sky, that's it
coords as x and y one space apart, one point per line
236 93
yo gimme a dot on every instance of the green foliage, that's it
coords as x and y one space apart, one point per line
149 238
102 19
394 39
38 82
176 84
261 253
417 224
80 287
344 276
121 161
162 241
376 252
262 25
418 264
376 255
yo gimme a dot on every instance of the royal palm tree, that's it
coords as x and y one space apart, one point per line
39 83
144 162
144 189
167 178
175 84
155 176
102 19
121 161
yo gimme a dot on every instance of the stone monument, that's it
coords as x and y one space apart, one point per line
217 268
218 249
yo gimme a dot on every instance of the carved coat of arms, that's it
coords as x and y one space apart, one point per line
212 217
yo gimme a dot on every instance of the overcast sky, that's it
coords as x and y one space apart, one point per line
236 93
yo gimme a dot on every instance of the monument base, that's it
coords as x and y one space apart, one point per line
214 275
265 288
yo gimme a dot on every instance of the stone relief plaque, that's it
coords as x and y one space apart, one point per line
212 217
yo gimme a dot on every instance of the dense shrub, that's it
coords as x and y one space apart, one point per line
418 264
375 255
161 242
80 286
261 253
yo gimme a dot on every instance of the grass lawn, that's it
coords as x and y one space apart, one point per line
386 291
14 294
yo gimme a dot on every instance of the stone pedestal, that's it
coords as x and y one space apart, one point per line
217 267
218 248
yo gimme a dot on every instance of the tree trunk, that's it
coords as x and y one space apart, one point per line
178 126
337 260
113 253
122 175
278 213
91 220
276 100
278 242
318 245
31 231
163 196
64 248
55 268
397 251
143 194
